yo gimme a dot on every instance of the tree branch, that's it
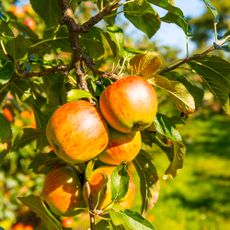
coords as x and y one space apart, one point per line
99 16
46 72
194 57
91 207
186 60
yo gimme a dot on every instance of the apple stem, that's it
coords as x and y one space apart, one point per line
91 207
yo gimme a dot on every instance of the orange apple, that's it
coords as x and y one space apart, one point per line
62 191
129 104
30 23
121 147
99 183
77 132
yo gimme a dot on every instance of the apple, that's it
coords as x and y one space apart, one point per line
30 23
62 191
99 183
121 147
129 104
77 132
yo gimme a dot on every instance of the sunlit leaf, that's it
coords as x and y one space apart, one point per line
174 15
115 37
212 9
170 141
142 16
76 94
119 182
215 71
149 184
130 220
195 90
145 64
179 93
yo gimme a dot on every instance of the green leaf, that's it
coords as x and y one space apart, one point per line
43 162
115 37
38 206
142 16
48 10
89 169
212 9
93 43
181 22
215 72
177 91
17 47
174 15
5 130
26 136
6 72
130 220
170 141
196 91
149 181
145 64
76 94
54 87
119 182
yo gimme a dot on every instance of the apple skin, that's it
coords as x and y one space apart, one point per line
100 181
30 23
77 132
129 104
121 147
62 191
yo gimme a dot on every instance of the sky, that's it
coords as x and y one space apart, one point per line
170 34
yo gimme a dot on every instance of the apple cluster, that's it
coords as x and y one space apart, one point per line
79 131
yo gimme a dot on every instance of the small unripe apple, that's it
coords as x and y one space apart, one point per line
99 183
62 191
121 147
129 104
77 132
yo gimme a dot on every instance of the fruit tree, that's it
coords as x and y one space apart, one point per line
85 101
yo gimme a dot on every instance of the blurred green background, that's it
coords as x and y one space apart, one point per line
199 197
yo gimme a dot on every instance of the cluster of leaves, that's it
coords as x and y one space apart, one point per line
34 67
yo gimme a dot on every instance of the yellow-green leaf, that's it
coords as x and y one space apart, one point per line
145 64
179 93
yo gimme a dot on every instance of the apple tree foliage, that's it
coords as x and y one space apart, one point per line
74 53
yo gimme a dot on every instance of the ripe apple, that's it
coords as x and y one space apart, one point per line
62 191
30 23
18 226
129 104
8 113
28 227
121 147
77 132
99 183
67 222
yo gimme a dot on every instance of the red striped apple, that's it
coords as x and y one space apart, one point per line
121 147
62 191
129 104
77 132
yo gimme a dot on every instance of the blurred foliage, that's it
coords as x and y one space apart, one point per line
202 26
